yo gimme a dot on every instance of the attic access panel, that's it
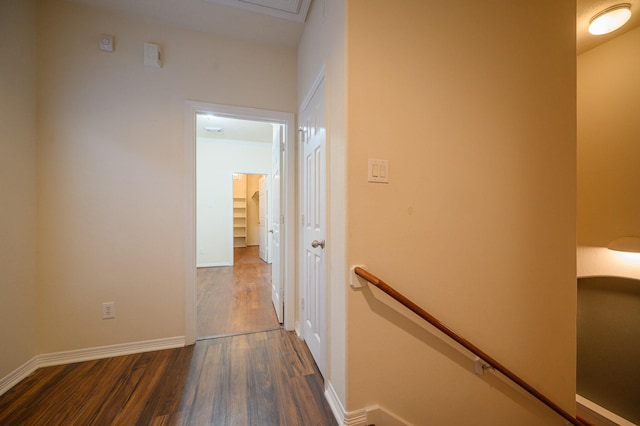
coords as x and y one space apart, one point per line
292 10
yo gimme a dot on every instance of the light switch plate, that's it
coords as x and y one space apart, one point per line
378 171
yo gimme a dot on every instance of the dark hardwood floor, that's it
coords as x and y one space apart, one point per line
236 299
259 378
265 378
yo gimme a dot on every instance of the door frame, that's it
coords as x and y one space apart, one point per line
267 218
288 201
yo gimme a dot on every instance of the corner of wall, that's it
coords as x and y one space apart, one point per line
18 180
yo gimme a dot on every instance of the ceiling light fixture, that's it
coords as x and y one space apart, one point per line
610 19
627 244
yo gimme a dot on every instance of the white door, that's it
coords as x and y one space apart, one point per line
277 281
313 197
262 219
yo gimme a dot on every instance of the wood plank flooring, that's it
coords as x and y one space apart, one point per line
236 299
260 378
265 378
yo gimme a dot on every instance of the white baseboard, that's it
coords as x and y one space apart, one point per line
374 414
212 265
87 354
334 402
356 418
13 378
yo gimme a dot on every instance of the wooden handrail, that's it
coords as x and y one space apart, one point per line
406 302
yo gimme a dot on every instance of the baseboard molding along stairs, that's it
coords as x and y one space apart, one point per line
371 415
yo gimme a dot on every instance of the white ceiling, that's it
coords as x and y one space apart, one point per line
278 22
281 22
233 129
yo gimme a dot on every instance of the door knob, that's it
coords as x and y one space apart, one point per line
316 244
271 231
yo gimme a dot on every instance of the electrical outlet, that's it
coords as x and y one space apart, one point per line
108 310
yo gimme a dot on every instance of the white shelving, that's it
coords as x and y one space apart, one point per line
240 211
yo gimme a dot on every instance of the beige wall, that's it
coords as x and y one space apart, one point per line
474 107
477 120
18 299
323 45
111 166
608 152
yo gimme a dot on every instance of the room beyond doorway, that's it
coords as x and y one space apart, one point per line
236 299
286 279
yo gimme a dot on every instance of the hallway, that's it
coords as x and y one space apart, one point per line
236 299
253 373
261 379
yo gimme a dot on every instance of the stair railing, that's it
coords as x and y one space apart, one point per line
493 363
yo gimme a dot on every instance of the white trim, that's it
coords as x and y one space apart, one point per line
344 418
356 418
602 412
87 354
288 228
190 274
17 375
373 414
334 402
213 265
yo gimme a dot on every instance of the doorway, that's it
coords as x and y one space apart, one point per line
236 299
283 146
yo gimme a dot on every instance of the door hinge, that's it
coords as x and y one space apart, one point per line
282 219
302 307
282 146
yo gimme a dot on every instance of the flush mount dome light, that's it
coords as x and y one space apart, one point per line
610 19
